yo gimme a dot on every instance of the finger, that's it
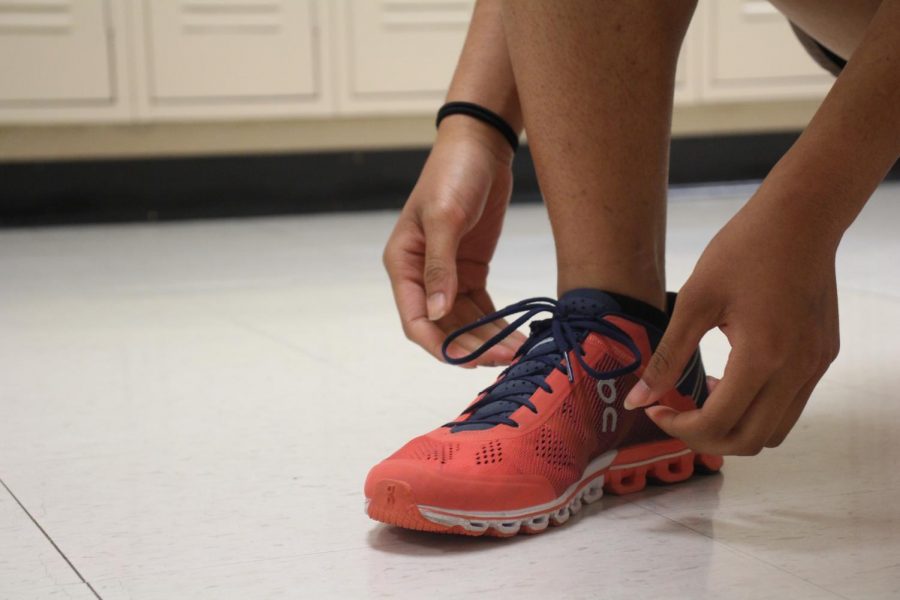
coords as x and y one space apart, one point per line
439 271
410 301
404 265
403 261
758 423
428 335
483 301
467 311
661 412
512 342
468 343
707 428
792 414
690 321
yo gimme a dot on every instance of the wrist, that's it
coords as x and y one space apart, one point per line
460 127
799 213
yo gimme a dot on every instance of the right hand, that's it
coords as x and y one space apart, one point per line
438 254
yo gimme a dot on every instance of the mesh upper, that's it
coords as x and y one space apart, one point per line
559 449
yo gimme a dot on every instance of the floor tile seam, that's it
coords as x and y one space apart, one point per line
49 539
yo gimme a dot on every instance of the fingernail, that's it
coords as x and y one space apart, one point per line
436 304
638 396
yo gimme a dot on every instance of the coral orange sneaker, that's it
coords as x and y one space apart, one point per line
550 434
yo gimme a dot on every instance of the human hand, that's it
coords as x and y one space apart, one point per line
438 254
768 282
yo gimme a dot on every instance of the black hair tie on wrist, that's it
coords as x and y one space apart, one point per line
482 114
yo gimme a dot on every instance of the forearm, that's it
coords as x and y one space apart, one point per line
853 140
484 74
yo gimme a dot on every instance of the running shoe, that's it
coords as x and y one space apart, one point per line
550 434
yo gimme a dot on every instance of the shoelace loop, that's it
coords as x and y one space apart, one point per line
564 338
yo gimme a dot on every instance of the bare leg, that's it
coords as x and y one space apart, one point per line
595 80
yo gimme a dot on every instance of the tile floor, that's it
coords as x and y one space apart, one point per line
189 410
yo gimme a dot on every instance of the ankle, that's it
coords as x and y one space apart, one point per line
650 288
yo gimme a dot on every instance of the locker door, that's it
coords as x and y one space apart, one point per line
752 53
399 55
54 52
220 50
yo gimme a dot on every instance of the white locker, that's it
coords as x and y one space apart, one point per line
55 52
399 55
752 53
221 51
688 67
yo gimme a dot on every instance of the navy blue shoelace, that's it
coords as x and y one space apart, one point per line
548 348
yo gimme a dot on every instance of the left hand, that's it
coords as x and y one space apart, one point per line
768 282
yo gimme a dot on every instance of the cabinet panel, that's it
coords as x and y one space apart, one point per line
53 51
231 49
688 66
752 53
399 55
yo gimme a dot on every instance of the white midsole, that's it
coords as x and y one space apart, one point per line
594 467
651 460
537 516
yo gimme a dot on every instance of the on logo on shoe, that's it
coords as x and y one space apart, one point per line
606 388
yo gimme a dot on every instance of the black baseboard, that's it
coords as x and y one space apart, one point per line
57 192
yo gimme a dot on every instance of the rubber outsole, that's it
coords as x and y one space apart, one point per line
393 501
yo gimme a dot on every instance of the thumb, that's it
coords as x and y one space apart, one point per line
441 244
675 349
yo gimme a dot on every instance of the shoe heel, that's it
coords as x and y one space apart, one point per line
633 476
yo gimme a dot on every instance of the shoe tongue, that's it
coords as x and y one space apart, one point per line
588 303
583 302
